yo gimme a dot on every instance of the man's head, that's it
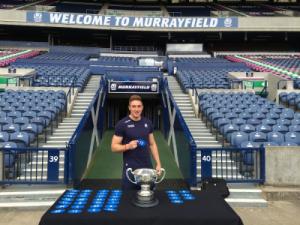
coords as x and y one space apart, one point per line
135 106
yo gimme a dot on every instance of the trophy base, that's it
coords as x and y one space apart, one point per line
145 203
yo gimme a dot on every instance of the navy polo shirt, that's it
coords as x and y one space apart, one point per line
134 130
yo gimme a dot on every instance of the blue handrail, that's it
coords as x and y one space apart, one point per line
180 117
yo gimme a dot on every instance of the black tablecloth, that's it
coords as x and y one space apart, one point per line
206 209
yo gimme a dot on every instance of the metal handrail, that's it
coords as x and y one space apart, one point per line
181 119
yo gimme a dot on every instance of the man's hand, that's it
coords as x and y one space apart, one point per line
132 145
158 169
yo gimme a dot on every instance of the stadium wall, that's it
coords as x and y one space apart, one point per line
282 166
16 17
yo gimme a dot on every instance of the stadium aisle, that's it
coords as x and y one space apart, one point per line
107 165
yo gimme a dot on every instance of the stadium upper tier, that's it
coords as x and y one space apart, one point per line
286 67
204 72
9 56
177 10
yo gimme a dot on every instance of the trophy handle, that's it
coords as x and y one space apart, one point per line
128 177
162 176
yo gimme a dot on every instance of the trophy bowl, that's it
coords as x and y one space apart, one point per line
146 178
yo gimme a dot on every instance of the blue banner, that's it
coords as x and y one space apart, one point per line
133 87
53 165
206 163
131 22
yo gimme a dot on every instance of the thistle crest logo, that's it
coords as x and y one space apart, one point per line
228 22
153 87
113 86
37 17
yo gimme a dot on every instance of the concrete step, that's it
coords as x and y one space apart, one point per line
81 104
56 137
77 115
78 111
80 107
207 142
70 119
66 126
63 131
201 145
195 125
199 130
85 95
22 197
58 133
56 142
69 123
82 101
188 115
207 138
53 145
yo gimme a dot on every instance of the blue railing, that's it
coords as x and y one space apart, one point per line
235 165
184 140
81 138
33 165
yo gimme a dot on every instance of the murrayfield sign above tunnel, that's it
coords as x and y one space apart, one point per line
131 22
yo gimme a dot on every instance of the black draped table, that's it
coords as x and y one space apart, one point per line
114 207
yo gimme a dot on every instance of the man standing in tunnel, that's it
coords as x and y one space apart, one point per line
134 138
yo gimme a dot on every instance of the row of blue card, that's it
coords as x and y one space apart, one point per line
75 201
179 197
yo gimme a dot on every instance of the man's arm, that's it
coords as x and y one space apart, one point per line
154 151
117 146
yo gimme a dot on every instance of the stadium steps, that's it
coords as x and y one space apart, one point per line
245 195
203 137
22 196
60 136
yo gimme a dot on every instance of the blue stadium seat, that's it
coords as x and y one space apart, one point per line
294 128
281 128
269 122
264 128
247 128
11 128
4 136
292 137
284 121
229 129
257 137
237 138
32 130
265 144
275 137
20 138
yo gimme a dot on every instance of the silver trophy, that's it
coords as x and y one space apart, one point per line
145 178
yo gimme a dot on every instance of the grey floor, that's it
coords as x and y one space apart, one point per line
277 213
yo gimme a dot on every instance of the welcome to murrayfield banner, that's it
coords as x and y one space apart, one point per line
131 22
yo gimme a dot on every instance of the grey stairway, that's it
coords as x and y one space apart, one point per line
62 134
242 195
202 136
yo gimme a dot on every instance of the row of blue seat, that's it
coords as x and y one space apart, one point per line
274 138
28 113
247 113
291 99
